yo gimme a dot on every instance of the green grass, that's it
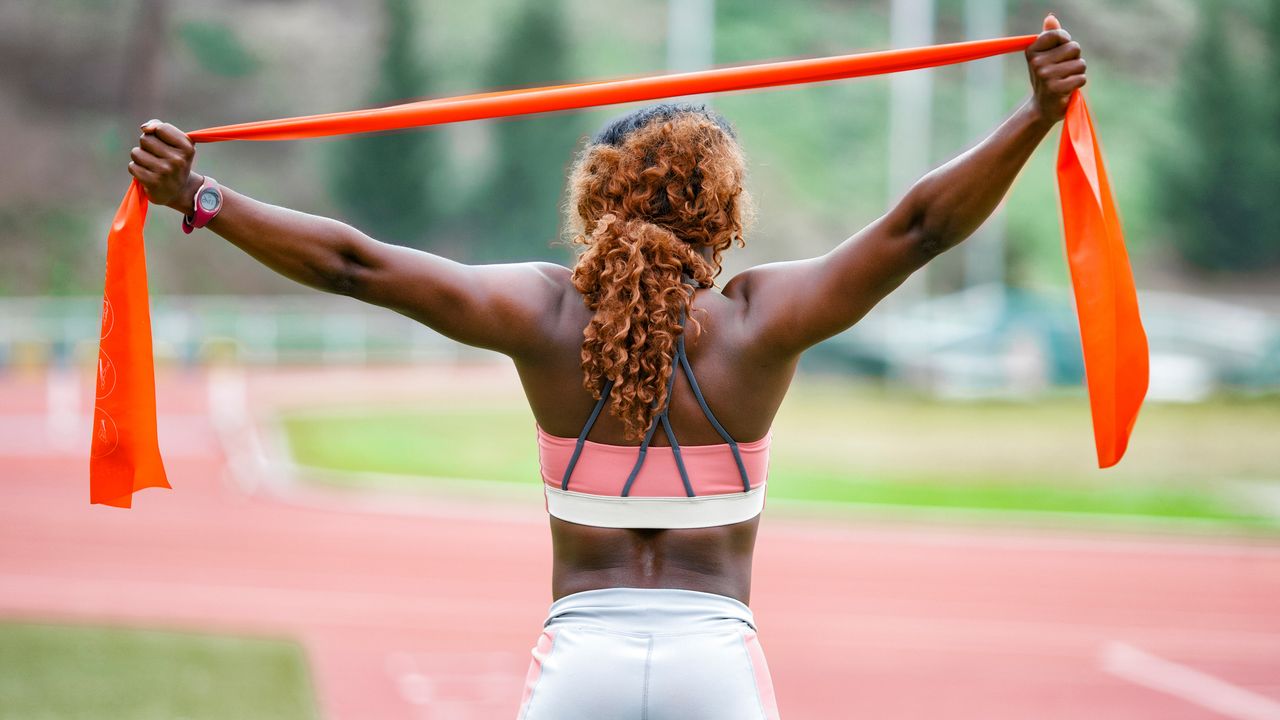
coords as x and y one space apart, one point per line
841 443
61 672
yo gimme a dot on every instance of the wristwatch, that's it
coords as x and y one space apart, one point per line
208 204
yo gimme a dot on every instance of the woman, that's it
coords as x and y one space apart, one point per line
653 532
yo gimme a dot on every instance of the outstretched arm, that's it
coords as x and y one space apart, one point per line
499 307
790 306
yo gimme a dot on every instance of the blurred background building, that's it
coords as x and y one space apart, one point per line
1193 146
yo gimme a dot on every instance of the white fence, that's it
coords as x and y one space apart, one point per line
983 342
193 329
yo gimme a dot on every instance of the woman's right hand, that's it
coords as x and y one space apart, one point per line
162 163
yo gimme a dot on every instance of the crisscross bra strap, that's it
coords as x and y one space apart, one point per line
582 436
683 357
671 437
681 361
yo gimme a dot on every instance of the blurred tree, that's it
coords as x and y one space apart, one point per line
1271 122
517 208
142 81
382 181
218 49
1219 199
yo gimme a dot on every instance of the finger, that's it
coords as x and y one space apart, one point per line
1062 53
160 148
149 126
1051 22
149 161
1066 69
174 137
146 176
157 163
1065 86
1048 40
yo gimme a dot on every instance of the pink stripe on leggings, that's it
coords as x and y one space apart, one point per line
759 667
540 652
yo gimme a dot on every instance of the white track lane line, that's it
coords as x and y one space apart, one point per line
455 685
1137 666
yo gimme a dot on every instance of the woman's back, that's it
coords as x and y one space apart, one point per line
743 392
741 388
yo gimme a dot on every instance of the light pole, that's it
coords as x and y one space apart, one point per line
910 131
984 261
910 120
690 37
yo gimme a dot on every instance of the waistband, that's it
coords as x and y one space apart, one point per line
650 610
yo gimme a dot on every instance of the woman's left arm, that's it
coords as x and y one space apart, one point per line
790 306
950 203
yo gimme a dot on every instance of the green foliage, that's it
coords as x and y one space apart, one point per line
217 49
80 673
382 181
518 207
816 153
1271 122
1221 178
61 266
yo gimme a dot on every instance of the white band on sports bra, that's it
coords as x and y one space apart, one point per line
654 512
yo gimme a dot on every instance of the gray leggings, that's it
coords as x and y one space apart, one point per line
648 654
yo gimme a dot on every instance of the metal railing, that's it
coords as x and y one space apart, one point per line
253 329
986 341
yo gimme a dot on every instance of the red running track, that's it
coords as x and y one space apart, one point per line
429 613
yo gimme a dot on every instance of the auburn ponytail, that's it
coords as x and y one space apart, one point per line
645 204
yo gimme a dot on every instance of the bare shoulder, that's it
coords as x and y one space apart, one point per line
555 281
556 276
760 281
535 287
770 316
738 286
728 308
757 284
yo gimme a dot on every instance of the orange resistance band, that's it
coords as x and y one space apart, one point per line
125 455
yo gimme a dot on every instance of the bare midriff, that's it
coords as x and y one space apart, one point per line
713 560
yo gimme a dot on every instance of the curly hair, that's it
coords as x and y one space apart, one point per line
647 198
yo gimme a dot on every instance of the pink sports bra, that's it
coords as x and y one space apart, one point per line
621 486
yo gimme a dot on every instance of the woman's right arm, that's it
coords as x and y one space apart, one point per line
499 307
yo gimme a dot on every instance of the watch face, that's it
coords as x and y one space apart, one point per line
209 200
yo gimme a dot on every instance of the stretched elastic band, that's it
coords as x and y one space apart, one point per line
125 454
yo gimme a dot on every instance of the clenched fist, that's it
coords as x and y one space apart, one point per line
162 163
1056 68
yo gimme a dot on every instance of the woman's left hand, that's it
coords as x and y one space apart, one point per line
1056 68
162 163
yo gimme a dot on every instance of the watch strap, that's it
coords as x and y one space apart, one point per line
200 217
